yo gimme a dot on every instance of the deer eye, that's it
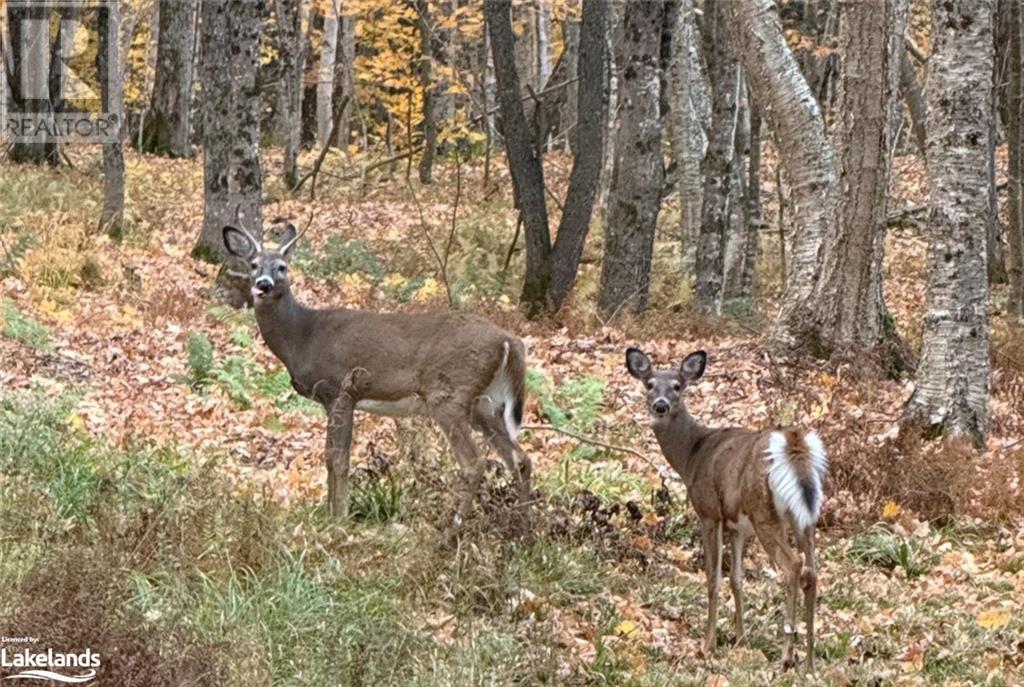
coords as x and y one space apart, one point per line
254 264
677 386
650 383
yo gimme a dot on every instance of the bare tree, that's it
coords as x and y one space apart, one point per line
1010 48
292 54
326 79
951 392
231 132
848 310
720 160
690 114
793 116
634 197
551 269
167 123
112 214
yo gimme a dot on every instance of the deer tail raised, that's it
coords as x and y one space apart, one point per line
796 475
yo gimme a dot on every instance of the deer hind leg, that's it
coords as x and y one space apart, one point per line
736 580
711 532
785 560
456 427
809 583
516 461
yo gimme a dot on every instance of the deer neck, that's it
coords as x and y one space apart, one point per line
681 439
282 321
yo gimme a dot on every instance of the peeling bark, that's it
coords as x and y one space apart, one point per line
793 116
952 387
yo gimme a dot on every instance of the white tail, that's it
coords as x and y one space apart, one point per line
797 485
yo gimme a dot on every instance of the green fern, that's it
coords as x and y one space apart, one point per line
200 357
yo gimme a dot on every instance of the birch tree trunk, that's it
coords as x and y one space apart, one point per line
634 198
848 310
689 141
720 159
168 126
291 52
232 178
325 82
792 113
430 95
952 386
112 214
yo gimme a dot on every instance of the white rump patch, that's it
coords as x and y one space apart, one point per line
499 394
788 493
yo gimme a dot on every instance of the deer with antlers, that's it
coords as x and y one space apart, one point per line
460 370
751 482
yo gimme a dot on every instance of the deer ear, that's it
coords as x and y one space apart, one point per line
693 366
638 364
238 244
288 236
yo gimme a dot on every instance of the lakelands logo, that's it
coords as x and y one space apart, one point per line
33 664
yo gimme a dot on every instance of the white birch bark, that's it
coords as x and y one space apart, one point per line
951 394
325 82
792 113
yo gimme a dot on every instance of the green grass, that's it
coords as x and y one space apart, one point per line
881 547
20 327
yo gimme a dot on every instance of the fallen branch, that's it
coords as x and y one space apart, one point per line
594 442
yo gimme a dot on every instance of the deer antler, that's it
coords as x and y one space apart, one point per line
241 228
285 248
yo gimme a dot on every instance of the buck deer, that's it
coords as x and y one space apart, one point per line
752 482
460 370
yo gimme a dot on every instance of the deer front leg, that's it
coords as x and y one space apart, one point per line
339 445
711 532
340 425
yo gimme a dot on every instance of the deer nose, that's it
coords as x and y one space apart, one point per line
660 407
264 284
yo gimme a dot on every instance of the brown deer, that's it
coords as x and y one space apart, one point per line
460 370
752 482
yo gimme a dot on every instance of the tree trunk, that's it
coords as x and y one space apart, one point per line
523 161
28 80
167 128
752 245
720 159
738 230
543 42
613 45
231 154
571 54
1011 110
951 394
325 82
426 74
291 52
591 116
112 214
634 198
793 115
344 83
688 138
911 90
848 311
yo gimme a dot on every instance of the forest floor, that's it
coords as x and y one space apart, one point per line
151 444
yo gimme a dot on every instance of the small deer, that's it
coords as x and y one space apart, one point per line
460 370
752 482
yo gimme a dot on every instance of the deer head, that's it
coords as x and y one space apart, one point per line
665 387
268 268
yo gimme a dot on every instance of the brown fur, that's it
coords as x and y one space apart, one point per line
444 363
726 475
